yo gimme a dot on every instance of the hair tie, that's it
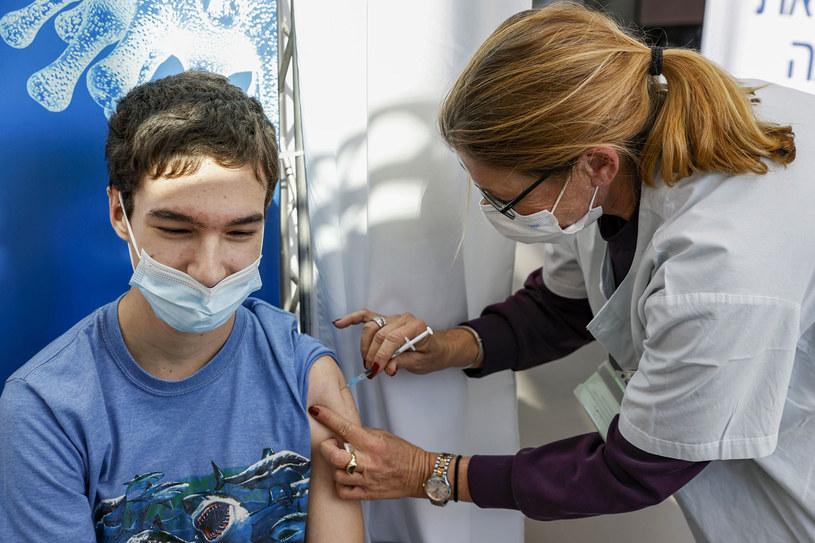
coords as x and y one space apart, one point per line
656 61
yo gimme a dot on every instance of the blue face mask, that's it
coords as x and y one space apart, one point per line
184 303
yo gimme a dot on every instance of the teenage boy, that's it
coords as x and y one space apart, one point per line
178 411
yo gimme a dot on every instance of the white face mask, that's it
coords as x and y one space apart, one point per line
183 302
540 227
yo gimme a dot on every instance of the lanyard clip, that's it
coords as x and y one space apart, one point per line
625 375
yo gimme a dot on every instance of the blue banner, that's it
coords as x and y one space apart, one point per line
64 65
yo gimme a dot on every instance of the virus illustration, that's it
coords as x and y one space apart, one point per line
221 36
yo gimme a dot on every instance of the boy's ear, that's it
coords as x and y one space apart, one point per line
117 216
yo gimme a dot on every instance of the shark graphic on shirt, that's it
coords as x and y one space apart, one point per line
265 502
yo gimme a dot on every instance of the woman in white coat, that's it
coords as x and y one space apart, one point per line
679 224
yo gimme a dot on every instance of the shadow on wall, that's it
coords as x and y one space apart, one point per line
377 230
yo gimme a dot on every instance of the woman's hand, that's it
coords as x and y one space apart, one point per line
387 465
437 351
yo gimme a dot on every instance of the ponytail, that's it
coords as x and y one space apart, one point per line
704 121
552 82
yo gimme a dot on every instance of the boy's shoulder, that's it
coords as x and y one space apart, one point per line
264 310
281 330
76 347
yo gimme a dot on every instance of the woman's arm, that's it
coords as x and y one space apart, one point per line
576 477
329 517
531 327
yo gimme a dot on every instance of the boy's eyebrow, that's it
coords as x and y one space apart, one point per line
249 219
170 215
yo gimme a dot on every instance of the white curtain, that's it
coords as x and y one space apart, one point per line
389 206
773 40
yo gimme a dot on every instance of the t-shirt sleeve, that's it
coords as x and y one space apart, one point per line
531 327
578 477
42 487
307 350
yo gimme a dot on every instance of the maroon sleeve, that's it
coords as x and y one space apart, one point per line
578 477
531 327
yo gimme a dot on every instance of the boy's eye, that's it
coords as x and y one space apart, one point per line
175 231
242 233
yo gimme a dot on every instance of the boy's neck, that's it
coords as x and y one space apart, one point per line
161 350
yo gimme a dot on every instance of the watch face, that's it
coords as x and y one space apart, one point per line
437 489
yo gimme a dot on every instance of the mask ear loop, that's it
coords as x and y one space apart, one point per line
130 232
593 198
262 237
559 196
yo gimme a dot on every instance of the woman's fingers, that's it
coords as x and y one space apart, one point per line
352 436
339 456
371 330
357 317
371 324
392 367
342 427
383 336
386 465
347 492
386 341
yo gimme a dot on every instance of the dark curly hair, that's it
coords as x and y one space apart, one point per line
167 127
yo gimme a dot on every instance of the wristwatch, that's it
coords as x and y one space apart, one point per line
438 488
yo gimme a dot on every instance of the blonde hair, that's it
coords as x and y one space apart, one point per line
550 83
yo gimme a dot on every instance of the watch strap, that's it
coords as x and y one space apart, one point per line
440 469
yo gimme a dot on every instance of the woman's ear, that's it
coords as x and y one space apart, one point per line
117 216
601 165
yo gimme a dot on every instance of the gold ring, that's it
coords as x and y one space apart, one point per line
351 466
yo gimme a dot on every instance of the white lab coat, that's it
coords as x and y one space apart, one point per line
716 316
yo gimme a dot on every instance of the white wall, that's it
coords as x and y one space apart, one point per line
773 40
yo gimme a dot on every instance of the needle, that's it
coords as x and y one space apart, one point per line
409 344
358 378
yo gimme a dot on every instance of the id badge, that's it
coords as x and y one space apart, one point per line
601 396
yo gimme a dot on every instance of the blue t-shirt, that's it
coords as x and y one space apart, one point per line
93 448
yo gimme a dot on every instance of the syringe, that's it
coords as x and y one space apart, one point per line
409 344
360 377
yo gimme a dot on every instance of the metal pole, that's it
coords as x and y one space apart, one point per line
284 265
305 281
285 253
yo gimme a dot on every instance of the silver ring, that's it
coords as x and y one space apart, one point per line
379 320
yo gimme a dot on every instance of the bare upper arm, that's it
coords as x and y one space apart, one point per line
329 517
326 386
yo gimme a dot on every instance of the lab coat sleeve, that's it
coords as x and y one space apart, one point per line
531 327
42 487
578 477
713 376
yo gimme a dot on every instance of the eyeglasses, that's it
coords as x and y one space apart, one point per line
506 207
